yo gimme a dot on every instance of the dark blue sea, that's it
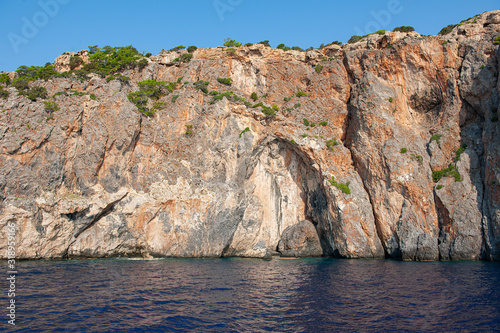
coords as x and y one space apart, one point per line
245 295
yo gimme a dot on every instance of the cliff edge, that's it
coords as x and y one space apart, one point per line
387 147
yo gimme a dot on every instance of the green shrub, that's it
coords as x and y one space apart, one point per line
449 171
34 73
265 43
248 44
275 107
354 39
186 57
403 150
225 80
192 48
160 105
297 48
283 47
174 98
343 187
306 122
496 41
436 137
109 60
380 32
286 99
391 99
268 112
244 131
20 84
254 96
177 48
318 68
75 61
459 152
446 30
119 77
292 141
35 93
439 187
304 135
404 28
297 105
231 51
231 42
149 54
141 64
331 143
4 93
189 129
323 123
4 78
300 93
50 106
140 99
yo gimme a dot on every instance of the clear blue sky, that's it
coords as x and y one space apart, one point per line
34 32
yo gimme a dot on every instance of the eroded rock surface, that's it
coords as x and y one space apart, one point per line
98 178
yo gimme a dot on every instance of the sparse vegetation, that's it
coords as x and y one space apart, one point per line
35 93
459 152
4 78
304 135
496 41
159 105
174 98
50 107
189 129
283 47
177 48
341 186
225 80
150 89
4 93
450 171
439 187
109 60
331 143
318 68
323 123
231 42
192 48
391 100
74 62
254 96
265 43
436 137
185 57
201 85
380 32
403 150
404 28
306 122
446 30
354 39
300 93
122 78
244 131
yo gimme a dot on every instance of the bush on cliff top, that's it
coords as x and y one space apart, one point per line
109 60
404 28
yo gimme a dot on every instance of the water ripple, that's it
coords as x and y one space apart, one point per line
238 295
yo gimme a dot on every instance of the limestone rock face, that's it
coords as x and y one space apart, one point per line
300 240
359 167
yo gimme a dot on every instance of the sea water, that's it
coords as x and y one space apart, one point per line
248 295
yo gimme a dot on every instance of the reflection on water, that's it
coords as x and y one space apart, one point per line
238 295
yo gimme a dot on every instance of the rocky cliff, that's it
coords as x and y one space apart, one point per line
387 147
